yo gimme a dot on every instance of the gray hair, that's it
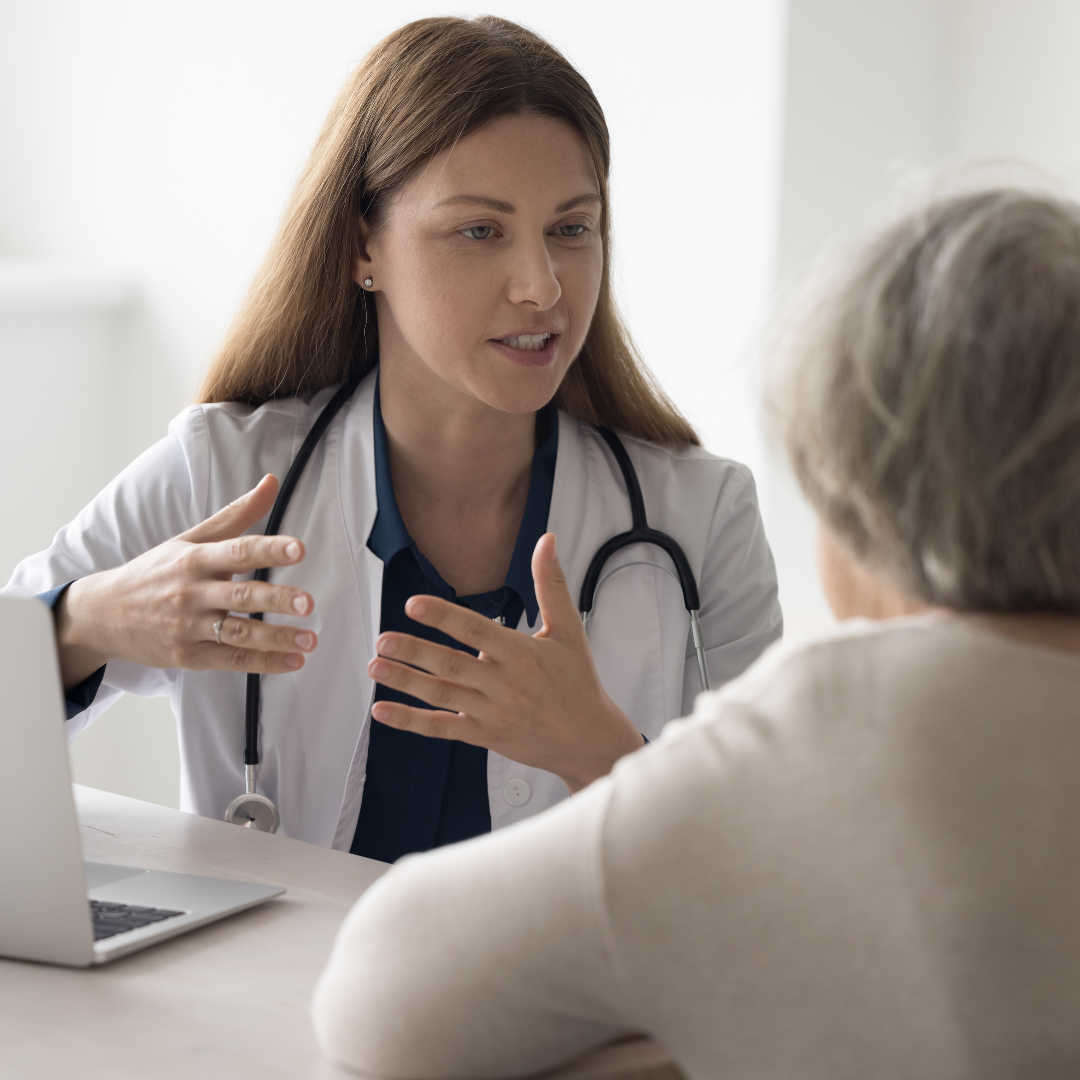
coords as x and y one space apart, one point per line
928 396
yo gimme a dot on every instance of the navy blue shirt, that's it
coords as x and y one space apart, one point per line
422 792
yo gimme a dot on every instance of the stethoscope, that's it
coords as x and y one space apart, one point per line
254 811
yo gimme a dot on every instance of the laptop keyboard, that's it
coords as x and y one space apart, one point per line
110 919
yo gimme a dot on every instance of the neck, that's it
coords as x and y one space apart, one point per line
1051 631
461 472
447 448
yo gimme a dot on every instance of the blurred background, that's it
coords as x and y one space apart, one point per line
146 151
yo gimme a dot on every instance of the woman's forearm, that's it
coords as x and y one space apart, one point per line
81 622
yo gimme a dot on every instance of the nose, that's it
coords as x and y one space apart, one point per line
533 281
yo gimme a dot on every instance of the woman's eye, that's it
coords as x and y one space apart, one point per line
571 230
478 232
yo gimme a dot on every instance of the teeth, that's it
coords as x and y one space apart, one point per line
532 342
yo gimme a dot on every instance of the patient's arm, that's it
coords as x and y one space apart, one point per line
488 958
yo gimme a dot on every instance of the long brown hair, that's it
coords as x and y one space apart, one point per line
305 324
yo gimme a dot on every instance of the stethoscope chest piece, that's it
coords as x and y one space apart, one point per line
252 811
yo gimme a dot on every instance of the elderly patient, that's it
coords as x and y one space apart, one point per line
861 859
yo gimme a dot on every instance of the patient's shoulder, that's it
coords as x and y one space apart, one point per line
870 690
765 767
804 698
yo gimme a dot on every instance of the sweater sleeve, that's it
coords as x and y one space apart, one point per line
484 959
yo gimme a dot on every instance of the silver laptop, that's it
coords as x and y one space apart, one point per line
53 906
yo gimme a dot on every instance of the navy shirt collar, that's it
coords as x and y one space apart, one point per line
390 536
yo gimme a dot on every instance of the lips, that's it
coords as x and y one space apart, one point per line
529 350
526 342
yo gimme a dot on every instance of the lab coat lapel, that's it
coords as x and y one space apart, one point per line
359 505
359 502
573 516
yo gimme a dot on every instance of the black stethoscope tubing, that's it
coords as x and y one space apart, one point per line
638 533
273 525
251 809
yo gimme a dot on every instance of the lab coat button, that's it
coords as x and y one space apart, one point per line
517 792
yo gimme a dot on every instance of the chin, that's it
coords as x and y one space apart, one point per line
522 393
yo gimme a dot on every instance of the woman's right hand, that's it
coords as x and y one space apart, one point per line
160 609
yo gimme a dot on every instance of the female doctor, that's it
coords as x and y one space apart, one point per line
446 252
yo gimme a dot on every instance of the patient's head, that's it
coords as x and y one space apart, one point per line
929 399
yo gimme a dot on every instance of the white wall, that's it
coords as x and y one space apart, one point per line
158 142
1016 84
883 92
65 330
864 94
69 329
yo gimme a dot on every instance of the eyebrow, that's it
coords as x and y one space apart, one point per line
507 208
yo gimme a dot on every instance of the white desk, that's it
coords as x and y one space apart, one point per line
229 1001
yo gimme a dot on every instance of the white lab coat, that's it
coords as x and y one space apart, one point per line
315 723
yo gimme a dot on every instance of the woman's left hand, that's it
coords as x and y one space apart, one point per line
536 700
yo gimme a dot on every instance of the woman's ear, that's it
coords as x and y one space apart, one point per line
364 268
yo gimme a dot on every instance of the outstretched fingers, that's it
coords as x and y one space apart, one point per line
238 516
437 692
254 634
468 627
453 664
256 596
557 607
242 554
208 655
433 723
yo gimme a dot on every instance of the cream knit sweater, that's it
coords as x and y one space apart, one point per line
860 860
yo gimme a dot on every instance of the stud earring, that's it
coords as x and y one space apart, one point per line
368 283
